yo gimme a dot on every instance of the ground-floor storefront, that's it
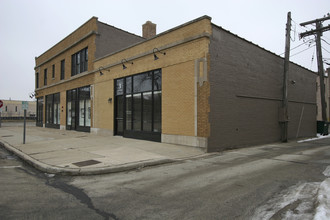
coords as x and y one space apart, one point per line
138 101
137 107
78 109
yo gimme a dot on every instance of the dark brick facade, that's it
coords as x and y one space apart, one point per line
246 84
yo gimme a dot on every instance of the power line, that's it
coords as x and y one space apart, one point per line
325 49
309 41
302 51
325 41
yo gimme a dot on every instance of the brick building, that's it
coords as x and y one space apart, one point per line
12 110
196 84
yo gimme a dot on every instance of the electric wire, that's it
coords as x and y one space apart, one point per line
303 50
325 49
309 41
325 41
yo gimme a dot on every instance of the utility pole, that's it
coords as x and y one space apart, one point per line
285 120
318 31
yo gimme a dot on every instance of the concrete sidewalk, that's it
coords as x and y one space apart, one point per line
78 153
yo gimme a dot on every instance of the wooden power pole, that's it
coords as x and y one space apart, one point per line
318 31
284 121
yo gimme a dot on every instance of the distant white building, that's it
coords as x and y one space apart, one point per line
12 109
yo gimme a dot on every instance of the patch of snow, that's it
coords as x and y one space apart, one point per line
293 203
326 172
298 202
323 199
319 136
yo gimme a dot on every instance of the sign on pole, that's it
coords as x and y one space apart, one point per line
25 105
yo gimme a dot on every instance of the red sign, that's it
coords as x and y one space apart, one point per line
1 103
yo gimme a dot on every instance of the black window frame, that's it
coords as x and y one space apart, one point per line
75 96
79 62
40 111
45 77
133 131
37 80
53 71
62 70
50 102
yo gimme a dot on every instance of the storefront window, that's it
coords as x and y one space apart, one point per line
79 109
138 104
40 111
69 113
53 110
88 113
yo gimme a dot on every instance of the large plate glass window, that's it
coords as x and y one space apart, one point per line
53 110
40 111
138 105
79 109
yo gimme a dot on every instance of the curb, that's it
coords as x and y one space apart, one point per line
82 171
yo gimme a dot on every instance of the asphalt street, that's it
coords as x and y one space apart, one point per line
234 184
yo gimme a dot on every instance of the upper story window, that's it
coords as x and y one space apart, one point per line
53 71
37 80
79 62
45 77
62 69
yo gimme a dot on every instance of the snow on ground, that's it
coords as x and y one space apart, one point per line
301 201
323 208
319 136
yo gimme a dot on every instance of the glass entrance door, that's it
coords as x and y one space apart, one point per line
138 106
79 109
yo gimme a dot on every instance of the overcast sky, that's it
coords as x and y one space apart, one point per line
30 27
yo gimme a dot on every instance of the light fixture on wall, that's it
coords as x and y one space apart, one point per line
155 50
33 95
110 100
123 61
100 70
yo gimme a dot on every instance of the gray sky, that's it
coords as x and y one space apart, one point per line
30 27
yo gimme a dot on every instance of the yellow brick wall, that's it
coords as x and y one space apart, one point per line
89 42
104 116
63 108
178 87
178 99
178 78
83 30
56 85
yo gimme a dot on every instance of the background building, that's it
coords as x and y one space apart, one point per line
12 110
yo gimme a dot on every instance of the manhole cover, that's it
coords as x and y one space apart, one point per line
86 163
7 136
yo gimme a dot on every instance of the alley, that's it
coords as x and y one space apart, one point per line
236 184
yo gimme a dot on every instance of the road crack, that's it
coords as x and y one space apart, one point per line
81 196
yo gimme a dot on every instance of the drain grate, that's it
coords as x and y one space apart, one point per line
86 163
7 136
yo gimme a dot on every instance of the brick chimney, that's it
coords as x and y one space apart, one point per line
148 30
